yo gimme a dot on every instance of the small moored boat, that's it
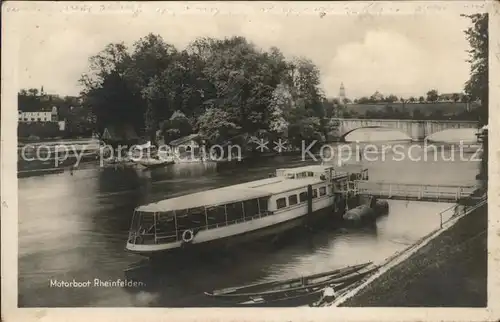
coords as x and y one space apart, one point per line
151 163
292 292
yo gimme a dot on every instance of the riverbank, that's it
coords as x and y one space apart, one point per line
450 271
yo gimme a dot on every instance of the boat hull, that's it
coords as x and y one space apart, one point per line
293 301
272 232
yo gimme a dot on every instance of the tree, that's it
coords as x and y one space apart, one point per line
217 125
391 98
108 91
421 99
364 100
455 97
228 81
477 85
412 99
432 95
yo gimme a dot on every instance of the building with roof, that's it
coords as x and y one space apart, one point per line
186 146
120 134
42 115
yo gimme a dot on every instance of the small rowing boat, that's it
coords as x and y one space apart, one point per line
152 163
291 292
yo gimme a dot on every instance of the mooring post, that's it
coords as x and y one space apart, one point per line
309 204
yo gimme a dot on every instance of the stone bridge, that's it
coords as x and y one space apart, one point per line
418 130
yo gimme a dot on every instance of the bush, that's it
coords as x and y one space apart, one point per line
43 130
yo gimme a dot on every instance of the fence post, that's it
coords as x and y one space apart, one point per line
441 220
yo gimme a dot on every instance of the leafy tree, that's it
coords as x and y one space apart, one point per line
432 95
412 99
364 100
240 88
477 85
391 99
421 99
216 124
455 97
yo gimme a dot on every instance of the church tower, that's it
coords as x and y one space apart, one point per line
341 93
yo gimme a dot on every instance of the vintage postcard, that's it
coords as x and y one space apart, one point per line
250 161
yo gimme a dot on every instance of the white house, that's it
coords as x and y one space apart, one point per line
37 116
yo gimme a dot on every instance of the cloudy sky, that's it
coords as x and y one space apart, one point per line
400 54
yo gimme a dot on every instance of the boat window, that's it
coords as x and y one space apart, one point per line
310 174
146 223
303 196
135 221
263 204
315 193
196 217
281 203
216 215
292 200
165 223
234 211
251 208
322 191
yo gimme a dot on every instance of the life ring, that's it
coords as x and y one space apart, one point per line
187 236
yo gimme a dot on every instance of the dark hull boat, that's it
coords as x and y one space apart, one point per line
292 292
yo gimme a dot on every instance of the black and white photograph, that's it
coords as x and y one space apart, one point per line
265 155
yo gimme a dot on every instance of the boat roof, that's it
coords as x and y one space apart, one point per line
313 168
290 184
226 195
211 197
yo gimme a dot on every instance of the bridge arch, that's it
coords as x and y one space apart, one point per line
461 134
417 130
344 135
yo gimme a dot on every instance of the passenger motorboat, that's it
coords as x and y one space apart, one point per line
226 216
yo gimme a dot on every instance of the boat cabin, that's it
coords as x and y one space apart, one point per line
166 221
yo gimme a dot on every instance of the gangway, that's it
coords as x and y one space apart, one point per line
409 191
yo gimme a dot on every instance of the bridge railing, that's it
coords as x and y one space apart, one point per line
463 122
418 191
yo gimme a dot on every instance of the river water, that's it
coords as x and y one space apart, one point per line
75 228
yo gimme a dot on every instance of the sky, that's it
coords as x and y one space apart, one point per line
405 55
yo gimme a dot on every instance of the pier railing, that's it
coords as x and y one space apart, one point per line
414 191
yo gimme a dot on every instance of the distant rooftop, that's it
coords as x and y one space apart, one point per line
184 139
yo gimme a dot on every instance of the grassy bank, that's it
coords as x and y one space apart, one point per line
450 271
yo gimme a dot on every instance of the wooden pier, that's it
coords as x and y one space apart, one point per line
404 191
